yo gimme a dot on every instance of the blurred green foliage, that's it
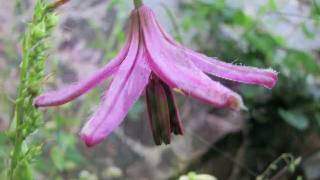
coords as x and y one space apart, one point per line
291 110
298 85
220 29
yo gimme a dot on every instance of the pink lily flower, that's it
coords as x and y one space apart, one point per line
153 62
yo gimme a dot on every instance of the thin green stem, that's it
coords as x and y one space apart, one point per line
137 3
19 119
27 118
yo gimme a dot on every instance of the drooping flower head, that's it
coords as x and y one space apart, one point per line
153 62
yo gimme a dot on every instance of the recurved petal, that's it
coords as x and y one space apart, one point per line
244 74
124 91
171 64
70 92
127 86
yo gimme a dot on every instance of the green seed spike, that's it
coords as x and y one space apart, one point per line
27 118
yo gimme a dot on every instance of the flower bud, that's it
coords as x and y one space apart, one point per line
39 30
52 20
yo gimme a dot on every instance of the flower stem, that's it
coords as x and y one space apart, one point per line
137 3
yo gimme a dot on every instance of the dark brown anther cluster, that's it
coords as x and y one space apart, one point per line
162 110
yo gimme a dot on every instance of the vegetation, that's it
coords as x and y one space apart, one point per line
278 139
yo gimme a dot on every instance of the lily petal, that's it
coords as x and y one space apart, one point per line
244 74
172 66
125 89
71 92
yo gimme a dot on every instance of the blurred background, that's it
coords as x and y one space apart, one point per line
277 138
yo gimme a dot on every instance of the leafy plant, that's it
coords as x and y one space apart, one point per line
27 118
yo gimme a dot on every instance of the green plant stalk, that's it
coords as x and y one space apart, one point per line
137 3
18 119
289 159
27 118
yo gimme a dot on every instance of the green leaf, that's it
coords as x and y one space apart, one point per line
58 158
316 6
317 116
263 41
23 171
238 17
307 32
272 4
294 118
297 60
